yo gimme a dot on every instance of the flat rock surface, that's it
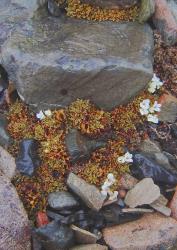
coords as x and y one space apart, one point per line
152 231
90 247
84 237
173 206
7 163
14 225
88 193
53 61
145 192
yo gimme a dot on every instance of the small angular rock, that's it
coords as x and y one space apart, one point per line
83 236
62 200
127 182
28 158
80 147
169 108
7 163
88 193
147 9
160 206
150 147
145 192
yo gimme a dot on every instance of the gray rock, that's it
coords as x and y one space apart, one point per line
152 231
84 237
7 163
169 109
127 181
162 159
150 147
172 159
80 147
53 61
88 193
160 206
5 139
173 7
145 192
14 224
146 11
111 4
90 247
62 200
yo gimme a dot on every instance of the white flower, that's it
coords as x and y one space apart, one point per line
155 108
104 193
111 177
48 112
40 115
154 84
113 195
127 158
153 118
121 159
144 107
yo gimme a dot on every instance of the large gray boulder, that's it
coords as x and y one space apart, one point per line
14 224
53 61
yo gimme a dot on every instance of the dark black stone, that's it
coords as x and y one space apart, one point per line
114 216
28 159
55 236
56 9
174 130
5 139
143 167
80 147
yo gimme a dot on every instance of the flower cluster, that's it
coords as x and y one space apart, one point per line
148 110
105 189
154 84
126 158
42 114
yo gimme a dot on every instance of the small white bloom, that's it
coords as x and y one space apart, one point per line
111 177
48 112
153 118
128 157
105 186
144 107
113 195
155 108
121 159
104 193
155 84
40 115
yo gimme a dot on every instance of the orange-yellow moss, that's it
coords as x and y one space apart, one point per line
84 116
77 9
51 132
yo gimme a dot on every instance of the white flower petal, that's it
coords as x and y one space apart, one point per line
40 115
48 112
152 118
113 196
104 193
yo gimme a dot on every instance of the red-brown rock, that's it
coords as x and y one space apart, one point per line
42 219
152 231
